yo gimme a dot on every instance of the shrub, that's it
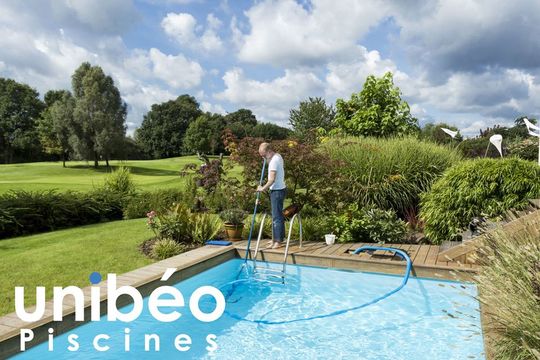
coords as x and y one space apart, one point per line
386 173
368 225
233 216
159 200
205 227
267 229
481 187
28 212
509 287
183 226
120 181
526 149
313 228
166 248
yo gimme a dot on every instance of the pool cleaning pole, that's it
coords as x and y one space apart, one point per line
255 212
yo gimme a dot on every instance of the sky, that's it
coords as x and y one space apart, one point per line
469 63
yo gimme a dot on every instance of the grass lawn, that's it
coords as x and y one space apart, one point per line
67 257
82 176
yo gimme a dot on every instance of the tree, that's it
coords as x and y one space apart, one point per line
99 115
241 122
163 128
20 108
311 115
377 110
204 134
56 122
434 132
269 132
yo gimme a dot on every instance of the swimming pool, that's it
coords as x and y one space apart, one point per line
427 319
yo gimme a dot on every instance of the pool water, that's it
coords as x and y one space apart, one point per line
427 319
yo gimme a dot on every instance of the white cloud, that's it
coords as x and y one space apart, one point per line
183 28
177 71
270 100
286 33
214 108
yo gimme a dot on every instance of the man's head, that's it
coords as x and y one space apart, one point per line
265 150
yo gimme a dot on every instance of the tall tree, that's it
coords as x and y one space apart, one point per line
99 115
311 115
56 123
377 110
241 122
163 128
204 134
269 131
20 107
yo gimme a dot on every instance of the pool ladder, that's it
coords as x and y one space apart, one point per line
269 274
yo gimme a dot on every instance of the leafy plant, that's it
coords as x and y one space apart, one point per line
481 187
166 248
138 204
509 287
175 224
368 225
233 216
377 110
120 181
205 227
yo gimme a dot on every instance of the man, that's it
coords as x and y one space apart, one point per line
276 184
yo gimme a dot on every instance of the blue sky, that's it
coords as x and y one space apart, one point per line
470 63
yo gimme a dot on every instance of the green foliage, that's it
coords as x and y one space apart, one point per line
233 216
377 110
269 132
386 173
166 248
205 227
99 116
368 225
204 134
311 115
20 108
163 128
482 187
526 149
476 147
433 132
175 224
26 212
120 181
509 285
56 122
139 204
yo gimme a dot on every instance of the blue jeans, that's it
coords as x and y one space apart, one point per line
278 221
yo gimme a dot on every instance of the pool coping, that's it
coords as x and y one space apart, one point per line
145 279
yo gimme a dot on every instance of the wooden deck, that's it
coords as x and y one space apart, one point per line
425 258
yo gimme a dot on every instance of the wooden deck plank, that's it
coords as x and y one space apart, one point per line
421 255
431 258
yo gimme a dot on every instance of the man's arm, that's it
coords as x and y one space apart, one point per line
271 180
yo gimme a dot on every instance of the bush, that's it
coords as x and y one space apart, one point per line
509 287
368 225
160 200
166 248
183 226
481 187
526 149
120 181
205 227
313 228
29 212
386 173
233 216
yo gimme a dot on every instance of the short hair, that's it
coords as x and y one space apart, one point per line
265 146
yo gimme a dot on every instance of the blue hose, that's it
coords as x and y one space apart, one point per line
399 252
254 213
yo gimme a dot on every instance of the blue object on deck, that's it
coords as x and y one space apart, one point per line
218 242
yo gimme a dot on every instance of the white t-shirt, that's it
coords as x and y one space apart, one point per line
276 164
